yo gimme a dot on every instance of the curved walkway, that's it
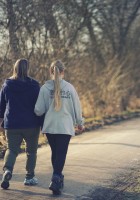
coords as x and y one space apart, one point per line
94 159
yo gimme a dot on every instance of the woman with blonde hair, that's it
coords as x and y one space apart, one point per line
18 96
59 101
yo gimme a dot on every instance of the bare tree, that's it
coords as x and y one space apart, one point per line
12 27
115 19
92 37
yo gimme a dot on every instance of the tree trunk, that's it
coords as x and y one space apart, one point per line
12 27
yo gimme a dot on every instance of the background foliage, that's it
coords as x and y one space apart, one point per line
98 40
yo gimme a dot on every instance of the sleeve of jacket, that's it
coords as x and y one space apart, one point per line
77 107
2 103
40 106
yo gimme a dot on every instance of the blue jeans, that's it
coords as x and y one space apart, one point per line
14 140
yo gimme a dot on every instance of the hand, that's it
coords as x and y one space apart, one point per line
81 128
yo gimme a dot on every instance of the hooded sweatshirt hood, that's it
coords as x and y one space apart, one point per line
17 85
50 84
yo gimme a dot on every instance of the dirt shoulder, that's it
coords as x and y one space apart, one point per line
126 186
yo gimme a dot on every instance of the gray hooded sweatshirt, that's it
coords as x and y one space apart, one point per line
70 114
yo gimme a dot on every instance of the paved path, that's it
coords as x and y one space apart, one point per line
94 158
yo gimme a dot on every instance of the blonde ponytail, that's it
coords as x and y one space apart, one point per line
55 70
57 92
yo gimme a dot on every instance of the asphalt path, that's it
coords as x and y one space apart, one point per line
94 159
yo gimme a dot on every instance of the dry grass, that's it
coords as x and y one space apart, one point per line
42 139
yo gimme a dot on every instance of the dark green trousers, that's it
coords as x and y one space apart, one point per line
14 140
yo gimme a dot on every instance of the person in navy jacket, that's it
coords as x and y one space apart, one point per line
18 96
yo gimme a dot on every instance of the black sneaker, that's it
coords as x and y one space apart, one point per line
56 185
5 179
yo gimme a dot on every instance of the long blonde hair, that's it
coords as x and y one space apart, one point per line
56 69
20 70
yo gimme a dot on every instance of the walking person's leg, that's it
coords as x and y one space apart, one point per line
59 146
62 142
52 142
14 140
31 138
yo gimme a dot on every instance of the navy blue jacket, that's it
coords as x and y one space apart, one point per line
17 102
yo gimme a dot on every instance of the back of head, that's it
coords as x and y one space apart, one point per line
56 66
56 69
20 70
